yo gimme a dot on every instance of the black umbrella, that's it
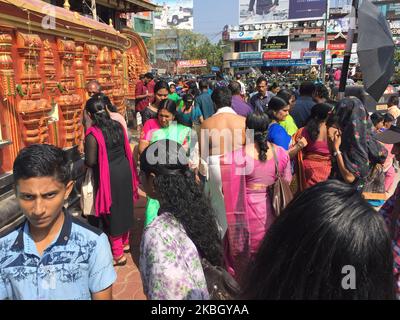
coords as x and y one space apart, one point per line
375 49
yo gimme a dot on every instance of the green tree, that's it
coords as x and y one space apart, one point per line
190 46
197 46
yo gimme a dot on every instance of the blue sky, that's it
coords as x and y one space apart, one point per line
210 16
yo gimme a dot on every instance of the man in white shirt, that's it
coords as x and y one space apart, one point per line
242 86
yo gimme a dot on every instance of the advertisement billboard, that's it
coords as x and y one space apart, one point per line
246 35
191 63
275 43
391 10
174 14
264 11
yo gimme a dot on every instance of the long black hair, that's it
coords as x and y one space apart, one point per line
319 114
376 117
161 85
304 254
169 105
259 122
275 105
188 100
286 95
112 130
179 194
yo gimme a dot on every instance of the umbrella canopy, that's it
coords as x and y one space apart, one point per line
375 49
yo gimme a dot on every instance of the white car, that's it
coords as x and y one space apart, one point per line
178 15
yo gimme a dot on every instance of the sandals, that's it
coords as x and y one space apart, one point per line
120 262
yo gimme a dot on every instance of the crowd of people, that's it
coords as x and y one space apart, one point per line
214 162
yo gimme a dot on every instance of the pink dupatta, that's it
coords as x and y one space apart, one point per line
103 197
237 251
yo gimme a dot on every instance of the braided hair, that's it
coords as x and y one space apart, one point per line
259 122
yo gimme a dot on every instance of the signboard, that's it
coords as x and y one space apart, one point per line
311 54
246 35
390 10
338 25
215 69
191 63
174 14
287 63
250 55
247 63
277 55
264 11
336 46
275 43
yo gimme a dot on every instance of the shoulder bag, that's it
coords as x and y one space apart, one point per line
280 192
220 284
374 184
88 194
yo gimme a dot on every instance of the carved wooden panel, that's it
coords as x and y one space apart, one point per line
49 68
43 77
7 81
32 108
69 103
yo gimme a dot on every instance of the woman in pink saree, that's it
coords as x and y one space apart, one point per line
247 174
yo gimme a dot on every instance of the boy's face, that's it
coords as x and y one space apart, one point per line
41 199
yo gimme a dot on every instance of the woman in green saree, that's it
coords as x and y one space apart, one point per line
166 126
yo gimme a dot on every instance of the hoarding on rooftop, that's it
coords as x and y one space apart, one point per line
264 11
174 14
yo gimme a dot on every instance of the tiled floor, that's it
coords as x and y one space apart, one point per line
129 285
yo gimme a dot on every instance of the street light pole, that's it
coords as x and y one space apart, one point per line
326 20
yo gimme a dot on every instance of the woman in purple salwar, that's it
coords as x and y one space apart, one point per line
183 233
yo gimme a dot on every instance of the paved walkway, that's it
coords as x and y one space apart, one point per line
129 285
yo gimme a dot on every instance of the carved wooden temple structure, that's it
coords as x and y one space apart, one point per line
47 55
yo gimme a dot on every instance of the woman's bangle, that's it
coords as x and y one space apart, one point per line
336 153
300 145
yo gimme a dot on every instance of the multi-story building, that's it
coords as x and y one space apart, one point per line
143 24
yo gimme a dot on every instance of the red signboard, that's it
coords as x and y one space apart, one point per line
277 55
336 46
191 63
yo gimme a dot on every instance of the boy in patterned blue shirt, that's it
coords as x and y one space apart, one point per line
51 255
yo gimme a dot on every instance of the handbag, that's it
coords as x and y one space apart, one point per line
87 194
220 284
374 184
280 192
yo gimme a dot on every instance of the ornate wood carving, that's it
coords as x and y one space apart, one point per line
43 75
33 109
91 52
70 103
7 81
49 69
105 73
8 114
118 73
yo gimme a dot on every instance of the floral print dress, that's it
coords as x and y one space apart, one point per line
169 264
